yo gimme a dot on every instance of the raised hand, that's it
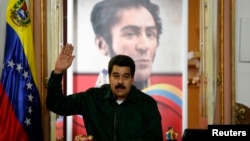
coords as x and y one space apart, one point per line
65 59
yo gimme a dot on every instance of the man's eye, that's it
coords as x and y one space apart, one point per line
126 76
116 76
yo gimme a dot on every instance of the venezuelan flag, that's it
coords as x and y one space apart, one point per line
20 105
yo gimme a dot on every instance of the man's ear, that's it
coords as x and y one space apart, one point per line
102 45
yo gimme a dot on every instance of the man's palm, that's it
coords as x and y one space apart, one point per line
65 58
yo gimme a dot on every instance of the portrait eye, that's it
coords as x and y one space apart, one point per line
151 34
130 34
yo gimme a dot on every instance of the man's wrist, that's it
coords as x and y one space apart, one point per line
58 71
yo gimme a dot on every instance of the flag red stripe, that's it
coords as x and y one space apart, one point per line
8 120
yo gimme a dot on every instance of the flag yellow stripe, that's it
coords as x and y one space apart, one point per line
25 34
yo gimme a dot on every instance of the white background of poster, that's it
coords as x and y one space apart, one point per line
169 58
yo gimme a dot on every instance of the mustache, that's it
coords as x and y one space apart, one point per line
120 86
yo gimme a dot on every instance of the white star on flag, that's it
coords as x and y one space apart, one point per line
27 121
30 97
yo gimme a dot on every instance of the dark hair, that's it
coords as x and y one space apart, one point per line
104 15
122 60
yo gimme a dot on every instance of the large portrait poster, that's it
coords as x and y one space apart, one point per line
155 39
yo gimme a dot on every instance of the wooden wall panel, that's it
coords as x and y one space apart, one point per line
193 46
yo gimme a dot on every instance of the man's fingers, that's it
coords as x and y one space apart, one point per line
67 49
71 50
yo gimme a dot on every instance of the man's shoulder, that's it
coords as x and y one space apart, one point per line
105 86
101 92
102 88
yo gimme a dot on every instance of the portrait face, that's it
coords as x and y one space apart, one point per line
120 81
135 35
